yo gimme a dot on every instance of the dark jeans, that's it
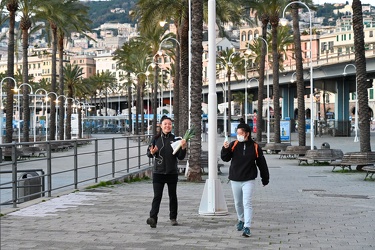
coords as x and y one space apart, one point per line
158 194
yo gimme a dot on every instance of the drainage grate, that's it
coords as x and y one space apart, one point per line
343 196
96 191
313 190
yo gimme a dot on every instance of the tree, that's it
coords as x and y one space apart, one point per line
360 62
72 75
230 60
194 171
77 14
274 14
260 9
12 7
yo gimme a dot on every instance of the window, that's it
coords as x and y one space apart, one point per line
371 33
243 36
371 93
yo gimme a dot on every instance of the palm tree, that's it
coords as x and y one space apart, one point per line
72 75
53 12
260 9
12 7
194 172
230 60
274 14
77 15
27 9
299 74
360 62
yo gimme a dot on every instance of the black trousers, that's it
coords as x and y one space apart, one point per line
158 195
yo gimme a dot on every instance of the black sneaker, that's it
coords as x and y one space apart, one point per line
151 222
240 225
246 232
174 222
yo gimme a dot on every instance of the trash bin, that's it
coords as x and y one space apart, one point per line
30 183
325 145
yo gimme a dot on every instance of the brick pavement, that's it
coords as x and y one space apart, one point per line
303 207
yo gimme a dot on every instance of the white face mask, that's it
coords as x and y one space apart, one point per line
240 138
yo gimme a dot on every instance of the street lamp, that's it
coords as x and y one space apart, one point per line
1 105
356 103
225 101
18 100
283 22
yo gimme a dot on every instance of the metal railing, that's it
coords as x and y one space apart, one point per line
67 165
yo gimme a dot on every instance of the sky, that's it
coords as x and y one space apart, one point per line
342 1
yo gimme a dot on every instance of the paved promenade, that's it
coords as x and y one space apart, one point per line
303 207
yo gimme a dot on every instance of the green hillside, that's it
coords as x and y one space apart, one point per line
100 12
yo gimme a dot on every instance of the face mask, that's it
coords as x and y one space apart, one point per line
240 138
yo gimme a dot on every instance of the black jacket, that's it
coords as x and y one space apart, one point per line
244 162
165 162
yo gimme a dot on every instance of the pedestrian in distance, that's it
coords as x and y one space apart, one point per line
165 170
246 158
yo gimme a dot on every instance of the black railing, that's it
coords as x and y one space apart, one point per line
30 170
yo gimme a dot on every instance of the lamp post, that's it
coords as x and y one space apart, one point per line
225 101
18 100
283 21
356 103
1 105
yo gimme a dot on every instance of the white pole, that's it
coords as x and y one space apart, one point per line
213 200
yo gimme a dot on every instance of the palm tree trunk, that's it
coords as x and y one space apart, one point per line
276 94
184 78
259 122
176 92
25 76
61 87
360 62
52 123
299 77
12 7
194 172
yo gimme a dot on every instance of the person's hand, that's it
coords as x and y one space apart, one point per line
265 182
183 144
226 144
153 149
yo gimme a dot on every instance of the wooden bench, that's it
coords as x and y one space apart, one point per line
275 147
321 155
7 154
358 159
34 151
204 163
370 171
292 152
